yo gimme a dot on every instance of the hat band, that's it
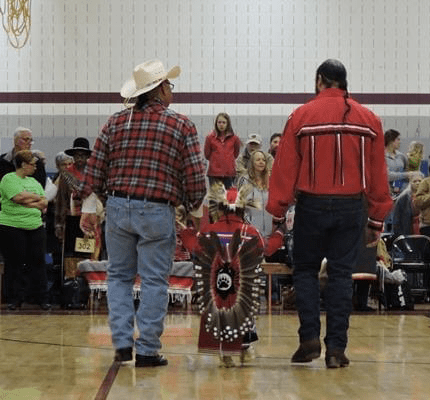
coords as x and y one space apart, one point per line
149 84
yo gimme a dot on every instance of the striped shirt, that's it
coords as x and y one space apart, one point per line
151 152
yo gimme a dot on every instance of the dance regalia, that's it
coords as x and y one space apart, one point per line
228 257
228 254
68 187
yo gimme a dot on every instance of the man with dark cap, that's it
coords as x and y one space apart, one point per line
331 163
252 144
68 208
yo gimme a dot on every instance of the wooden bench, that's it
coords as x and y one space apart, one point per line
274 269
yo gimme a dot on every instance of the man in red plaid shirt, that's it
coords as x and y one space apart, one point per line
147 159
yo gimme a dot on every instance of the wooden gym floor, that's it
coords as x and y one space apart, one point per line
66 355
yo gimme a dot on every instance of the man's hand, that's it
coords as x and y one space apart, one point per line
88 224
274 243
372 237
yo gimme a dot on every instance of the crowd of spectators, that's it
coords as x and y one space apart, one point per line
408 187
410 190
36 212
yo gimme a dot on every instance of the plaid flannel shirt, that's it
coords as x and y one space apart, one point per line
151 152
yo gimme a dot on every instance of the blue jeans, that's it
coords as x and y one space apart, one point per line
331 228
140 239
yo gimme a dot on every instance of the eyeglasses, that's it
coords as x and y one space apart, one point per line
27 139
172 86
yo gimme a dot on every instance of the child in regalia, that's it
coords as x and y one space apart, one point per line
228 254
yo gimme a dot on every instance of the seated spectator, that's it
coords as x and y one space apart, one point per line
253 143
406 213
221 149
22 235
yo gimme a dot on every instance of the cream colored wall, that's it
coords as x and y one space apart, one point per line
222 46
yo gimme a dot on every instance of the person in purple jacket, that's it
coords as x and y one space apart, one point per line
222 147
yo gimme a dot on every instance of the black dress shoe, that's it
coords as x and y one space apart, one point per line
307 351
12 307
45 306
123 354
150 361
336 358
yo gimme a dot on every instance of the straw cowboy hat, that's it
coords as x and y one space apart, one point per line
146 77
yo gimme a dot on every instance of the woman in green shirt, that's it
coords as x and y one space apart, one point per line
22 235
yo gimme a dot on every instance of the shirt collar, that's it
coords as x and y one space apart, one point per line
331 92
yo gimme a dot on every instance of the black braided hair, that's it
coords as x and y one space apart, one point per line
347 106
333 73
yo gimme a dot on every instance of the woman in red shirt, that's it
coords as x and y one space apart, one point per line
222 147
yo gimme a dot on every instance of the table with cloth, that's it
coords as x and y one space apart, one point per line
180 281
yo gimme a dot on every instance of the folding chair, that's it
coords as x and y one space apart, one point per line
388 239
365 270
411 253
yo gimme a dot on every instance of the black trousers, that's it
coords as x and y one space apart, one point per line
331 228
25 270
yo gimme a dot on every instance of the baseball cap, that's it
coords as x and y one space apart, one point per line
254 138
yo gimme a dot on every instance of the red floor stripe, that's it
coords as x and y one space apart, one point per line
108 381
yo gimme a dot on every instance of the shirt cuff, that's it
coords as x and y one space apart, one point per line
89 205
374 224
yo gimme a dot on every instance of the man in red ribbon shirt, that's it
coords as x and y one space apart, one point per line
331 163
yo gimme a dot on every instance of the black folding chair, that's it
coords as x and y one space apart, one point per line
411 253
